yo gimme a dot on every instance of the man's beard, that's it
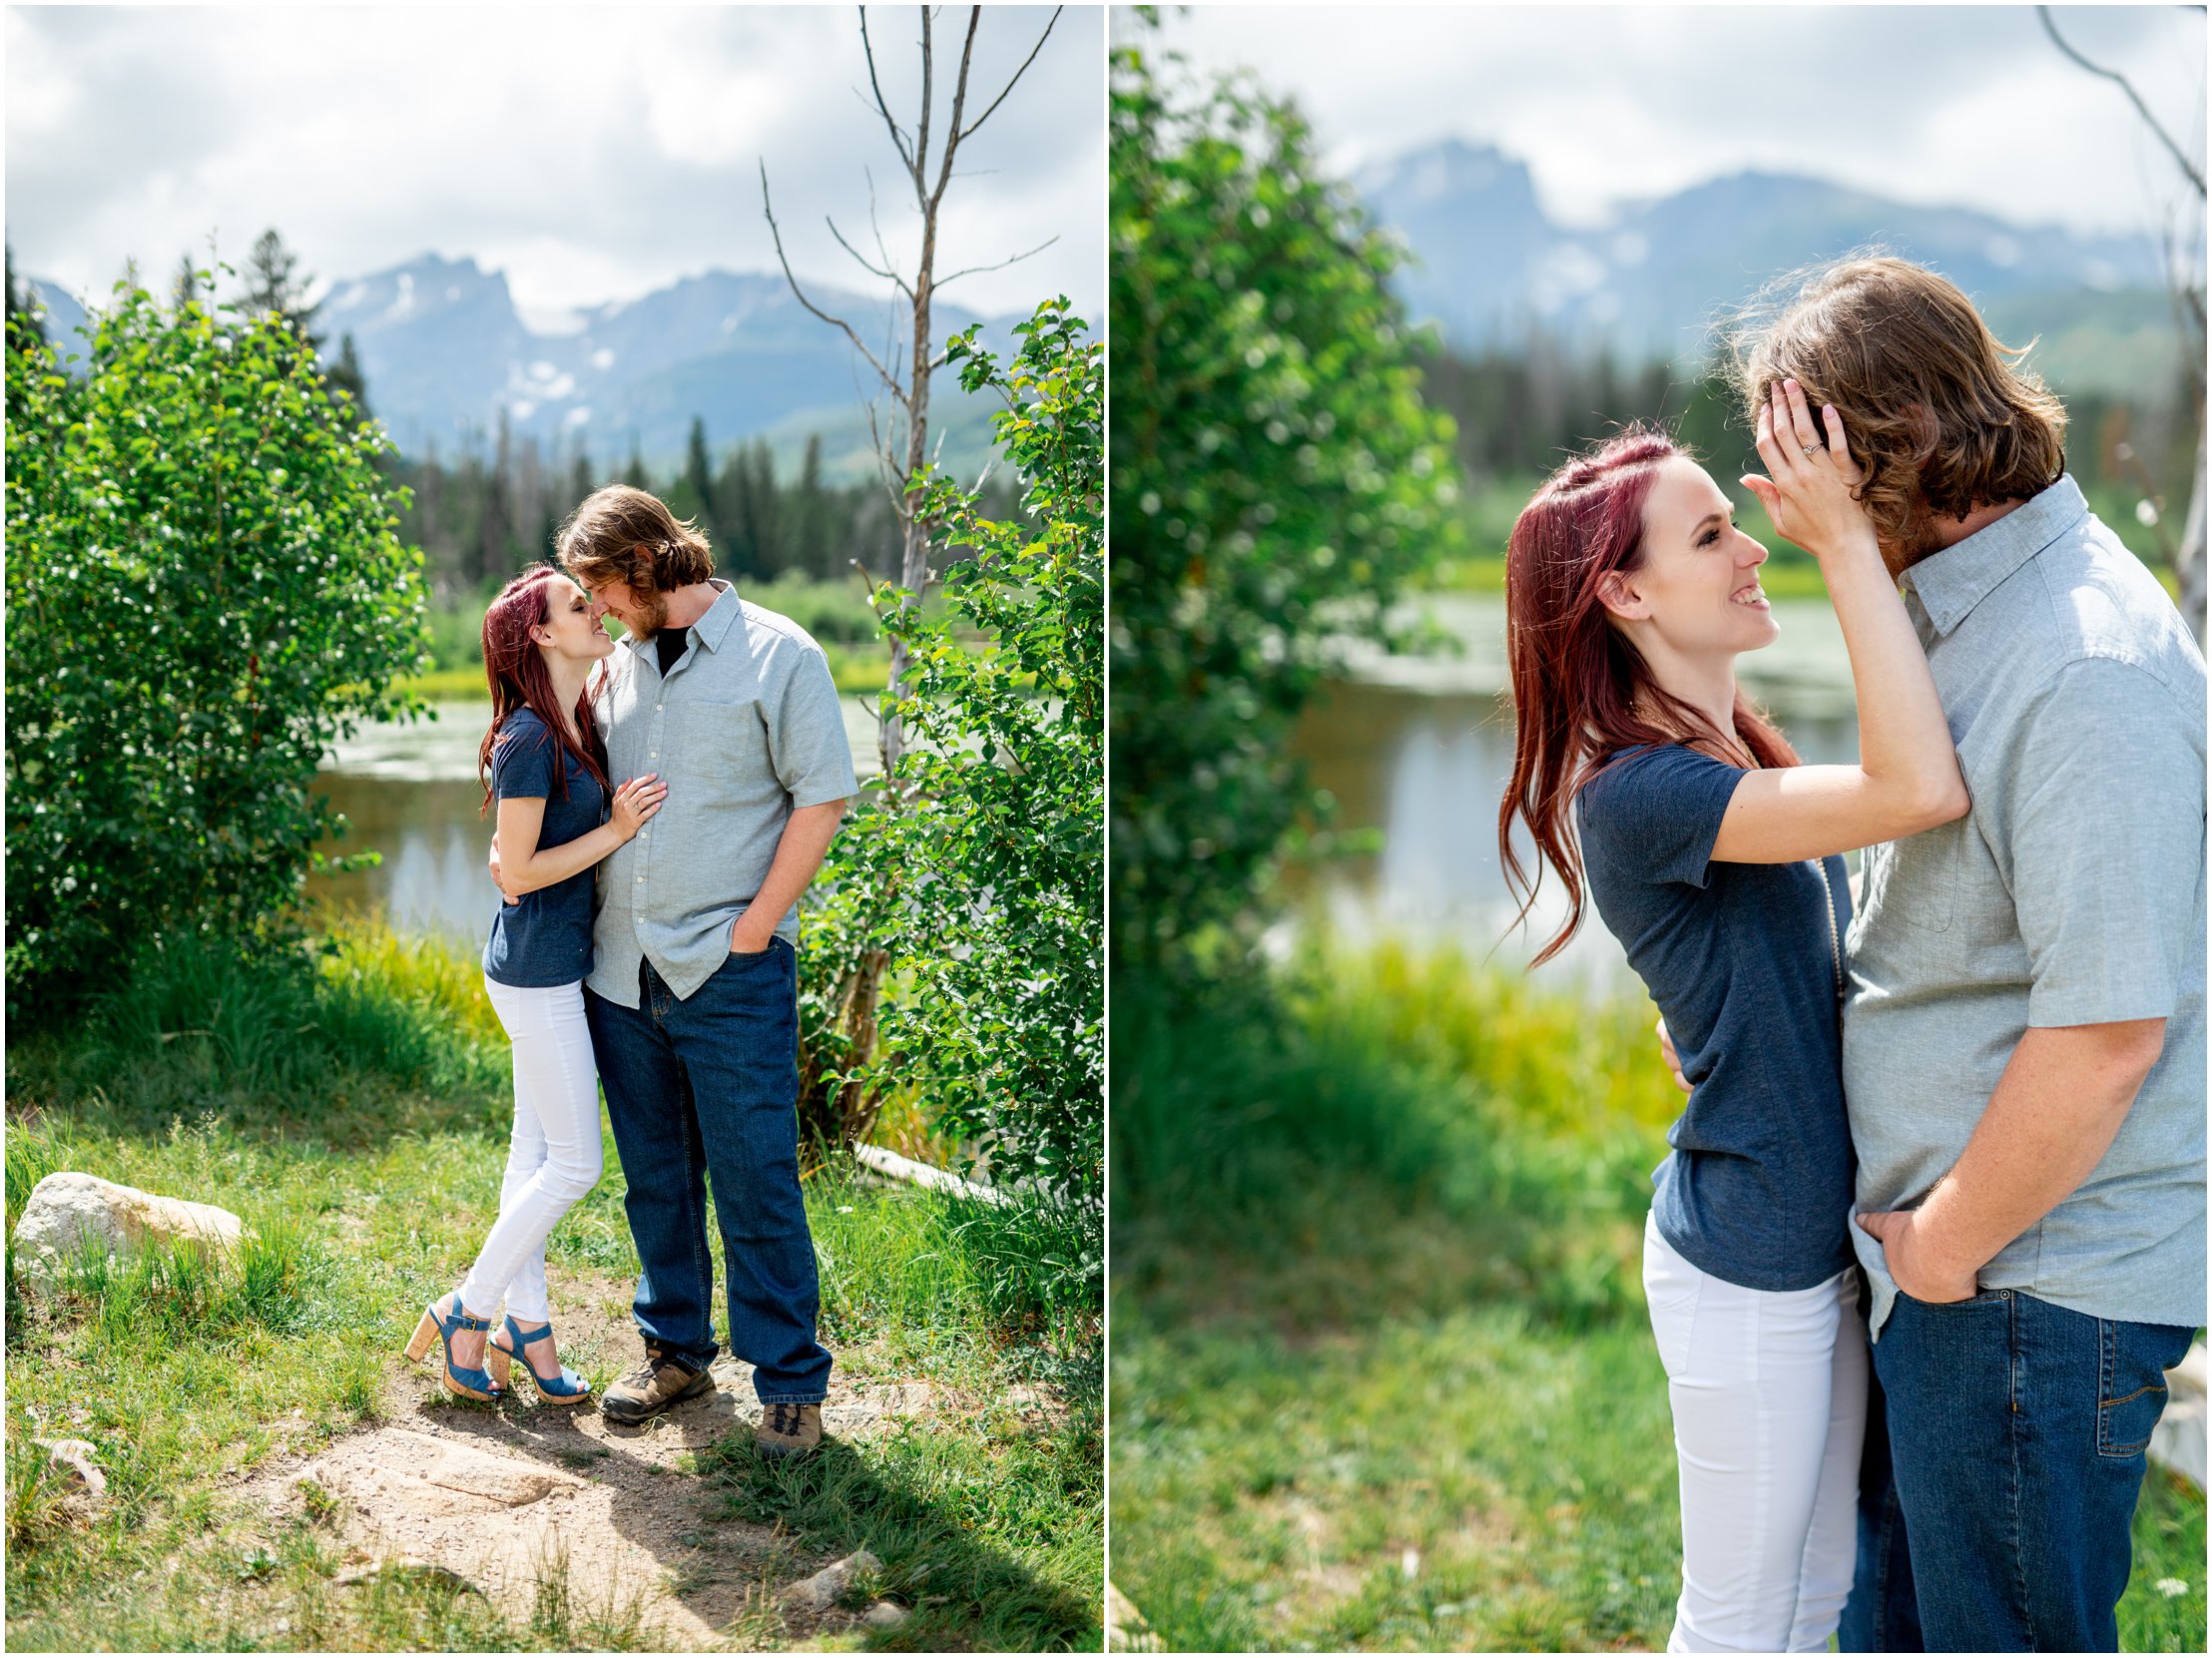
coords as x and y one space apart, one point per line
652 613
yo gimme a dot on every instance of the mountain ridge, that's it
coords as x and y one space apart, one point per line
1492 268
445 351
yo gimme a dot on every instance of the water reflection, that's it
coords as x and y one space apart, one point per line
1428 767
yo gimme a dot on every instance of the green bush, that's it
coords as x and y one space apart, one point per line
979 875
1276 481
202 591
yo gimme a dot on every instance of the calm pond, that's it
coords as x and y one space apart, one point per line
1421 748
410 793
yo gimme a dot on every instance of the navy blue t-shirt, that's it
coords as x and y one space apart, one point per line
1740 961
546 938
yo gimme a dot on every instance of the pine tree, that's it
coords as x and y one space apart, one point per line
698 474
806 545
22 303
345 375
635 477
185 285
274 286
765 528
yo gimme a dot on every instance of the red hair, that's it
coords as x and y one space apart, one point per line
519 678
1576 677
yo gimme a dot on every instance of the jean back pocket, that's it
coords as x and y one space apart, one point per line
2131 1394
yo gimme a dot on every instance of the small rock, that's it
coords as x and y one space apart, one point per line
886 1614
67 1211
820 1591
76 1461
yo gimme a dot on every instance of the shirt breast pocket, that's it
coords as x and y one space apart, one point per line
724 746
1915 880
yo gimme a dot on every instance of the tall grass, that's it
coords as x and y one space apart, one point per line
1353 1091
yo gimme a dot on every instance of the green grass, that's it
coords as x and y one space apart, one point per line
352 1107
1377 1307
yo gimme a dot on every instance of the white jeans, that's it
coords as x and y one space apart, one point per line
1769 1389
553 1158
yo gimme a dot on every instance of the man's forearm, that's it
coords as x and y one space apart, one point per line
2065 1093
799 854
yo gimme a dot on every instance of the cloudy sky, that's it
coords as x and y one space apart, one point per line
592 152
1967 106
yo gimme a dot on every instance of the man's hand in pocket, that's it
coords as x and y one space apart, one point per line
1910 1260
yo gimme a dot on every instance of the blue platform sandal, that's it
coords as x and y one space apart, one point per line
442 1327
566 1388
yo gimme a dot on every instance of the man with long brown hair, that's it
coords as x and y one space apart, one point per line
2023 1047
693 996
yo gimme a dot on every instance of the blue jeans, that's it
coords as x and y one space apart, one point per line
2012 1461
709 1088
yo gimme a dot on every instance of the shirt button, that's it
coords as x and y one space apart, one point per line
657 708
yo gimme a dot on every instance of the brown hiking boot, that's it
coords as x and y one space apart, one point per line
652 1386
789 1429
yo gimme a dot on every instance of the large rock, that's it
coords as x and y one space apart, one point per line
68 1211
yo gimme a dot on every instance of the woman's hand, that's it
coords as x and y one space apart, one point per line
1808 490
635 802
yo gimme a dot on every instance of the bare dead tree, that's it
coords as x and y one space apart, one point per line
835 1105
902 436
2185 284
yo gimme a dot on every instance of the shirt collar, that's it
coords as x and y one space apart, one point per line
1950 583
711 628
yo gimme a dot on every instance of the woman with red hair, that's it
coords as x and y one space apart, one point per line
1712 856
545 763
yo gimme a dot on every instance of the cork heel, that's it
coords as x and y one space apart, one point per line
468 1383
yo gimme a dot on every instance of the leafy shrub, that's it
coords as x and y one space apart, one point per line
1276 479
203 590
980 874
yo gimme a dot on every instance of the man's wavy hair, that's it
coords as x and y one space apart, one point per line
626 535
1938 411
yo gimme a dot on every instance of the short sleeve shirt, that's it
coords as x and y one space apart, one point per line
1744 960
546 939
2071 894
743 730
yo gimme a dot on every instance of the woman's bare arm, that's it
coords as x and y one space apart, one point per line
1908 777
523 868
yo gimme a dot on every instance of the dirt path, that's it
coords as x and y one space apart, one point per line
529 1503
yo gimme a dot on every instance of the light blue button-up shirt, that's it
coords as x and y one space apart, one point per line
744 730
2073 893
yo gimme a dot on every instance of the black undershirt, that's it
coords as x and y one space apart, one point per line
671 643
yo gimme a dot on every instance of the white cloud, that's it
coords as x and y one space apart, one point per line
591 154
1955 106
